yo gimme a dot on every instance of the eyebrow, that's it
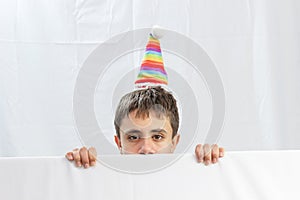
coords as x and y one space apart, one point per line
159 130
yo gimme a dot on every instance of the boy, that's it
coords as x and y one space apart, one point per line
147 119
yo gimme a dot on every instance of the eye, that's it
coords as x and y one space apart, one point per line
132 137
157 137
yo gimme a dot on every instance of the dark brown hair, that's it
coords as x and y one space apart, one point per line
152 98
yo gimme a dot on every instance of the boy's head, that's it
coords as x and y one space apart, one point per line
147 121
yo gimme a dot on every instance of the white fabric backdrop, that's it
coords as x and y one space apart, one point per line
240 175
254 44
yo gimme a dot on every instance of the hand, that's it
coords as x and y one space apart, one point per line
208 153
83 157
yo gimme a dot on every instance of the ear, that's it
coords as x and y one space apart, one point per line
118 141
175 141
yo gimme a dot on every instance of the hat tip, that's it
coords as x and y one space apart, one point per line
157 32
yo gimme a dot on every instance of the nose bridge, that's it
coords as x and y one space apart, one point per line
146 146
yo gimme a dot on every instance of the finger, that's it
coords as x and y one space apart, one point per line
222 152
207 154
84 157
92 156
69 156
215 153
77 158
199 153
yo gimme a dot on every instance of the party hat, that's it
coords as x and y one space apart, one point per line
152 71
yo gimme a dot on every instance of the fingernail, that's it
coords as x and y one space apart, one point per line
201 160
221 154
78 164
207 162
86 165
93 163
214 160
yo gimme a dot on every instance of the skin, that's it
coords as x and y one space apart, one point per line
149 135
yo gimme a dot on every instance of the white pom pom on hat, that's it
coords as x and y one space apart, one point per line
157 31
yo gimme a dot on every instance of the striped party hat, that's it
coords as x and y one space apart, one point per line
152 71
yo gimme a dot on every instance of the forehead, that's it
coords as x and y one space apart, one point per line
143 123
